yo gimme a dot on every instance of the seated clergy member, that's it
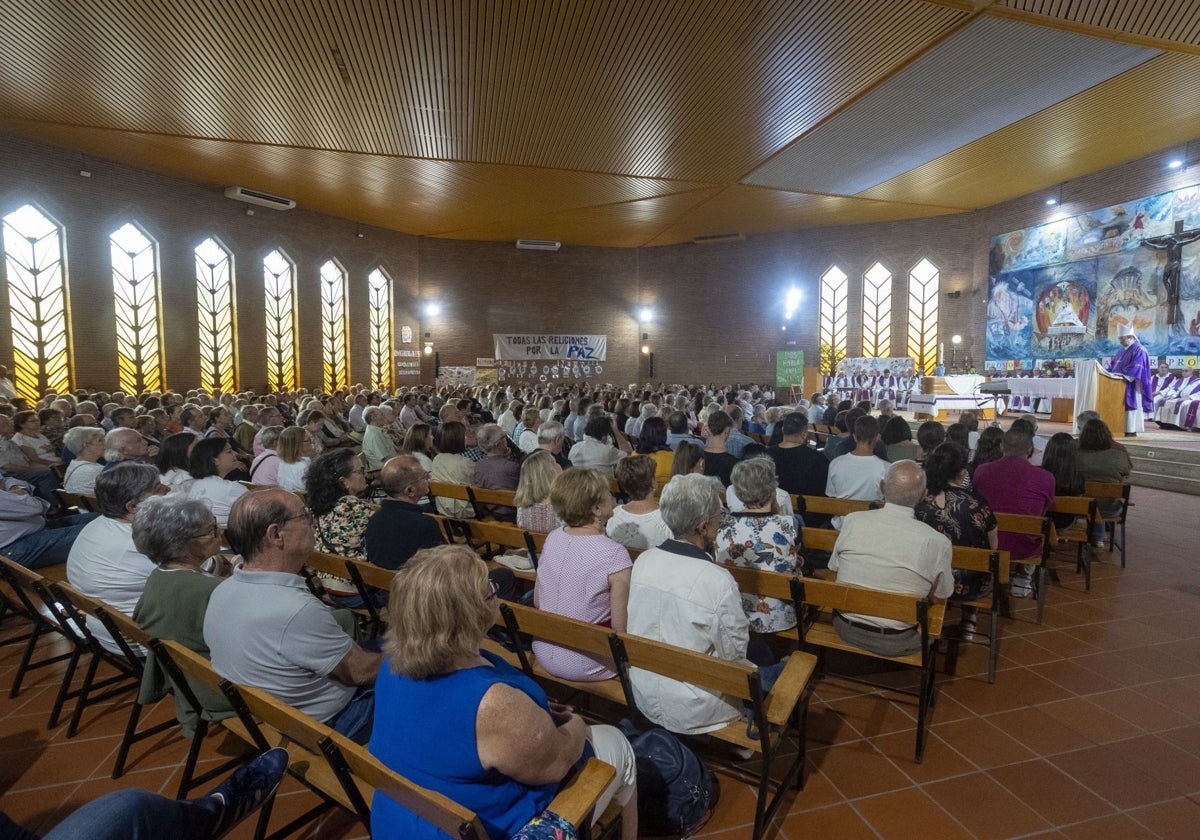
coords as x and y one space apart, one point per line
267 630
678 595
889 550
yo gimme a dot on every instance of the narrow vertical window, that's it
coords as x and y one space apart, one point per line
333 326
379 289
279 297
37 298
877 312
833 329
924 283
218 339
135 296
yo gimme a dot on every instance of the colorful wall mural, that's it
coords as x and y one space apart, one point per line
1062 290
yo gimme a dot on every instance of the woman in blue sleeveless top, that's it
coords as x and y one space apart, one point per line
462 722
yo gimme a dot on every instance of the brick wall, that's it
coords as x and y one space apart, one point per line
718 308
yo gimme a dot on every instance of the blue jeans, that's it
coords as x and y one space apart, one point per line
49 546
357 718
43 482
130 815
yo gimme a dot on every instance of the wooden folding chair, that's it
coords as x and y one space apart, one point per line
1084 510
1112 491
997 566
1035 526
22 599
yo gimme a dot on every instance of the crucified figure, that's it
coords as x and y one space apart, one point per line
1172 272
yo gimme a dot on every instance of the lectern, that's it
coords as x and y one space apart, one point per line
1098 390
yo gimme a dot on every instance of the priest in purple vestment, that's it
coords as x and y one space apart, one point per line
1133 363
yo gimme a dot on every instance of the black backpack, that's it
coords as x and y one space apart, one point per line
676 791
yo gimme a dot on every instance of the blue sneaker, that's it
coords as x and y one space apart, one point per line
248 788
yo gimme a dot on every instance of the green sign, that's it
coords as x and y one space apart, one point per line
789 368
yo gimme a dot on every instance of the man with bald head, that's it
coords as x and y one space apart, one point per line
400 528
889 550
267 630
122 444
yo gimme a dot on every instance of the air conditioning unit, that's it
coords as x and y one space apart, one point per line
718 237
538 244
262 199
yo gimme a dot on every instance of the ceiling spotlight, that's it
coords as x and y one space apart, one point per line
432 310
645 349
1175 164
646 315
1051 201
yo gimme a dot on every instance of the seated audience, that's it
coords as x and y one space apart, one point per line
36 447
377 445
760 537
172 462
212 459
496 471
859 474
179 536
400 528
418 442
264 469
14 463
125 445
551 438
957 433
930 435
1100 458
679 430
314 666
452 466
898 438
800 468
652 442
678 595
88 444
890 550
295 450
737 441
596 450
26 537
638 523
689 458
104 563
1061 461
988 449
246 430
1014 485
582 573
333 487
463 722
531 419
535 512
718 461
950 508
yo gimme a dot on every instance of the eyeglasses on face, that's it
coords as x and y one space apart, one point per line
306 514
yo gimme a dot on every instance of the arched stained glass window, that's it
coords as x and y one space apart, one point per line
37 298
833 329
334 345
924 283
135 297
218 338
877 312
379 291
279 280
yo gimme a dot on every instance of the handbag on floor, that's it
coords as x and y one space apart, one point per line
676 791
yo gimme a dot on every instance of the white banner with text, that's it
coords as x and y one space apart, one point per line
529 346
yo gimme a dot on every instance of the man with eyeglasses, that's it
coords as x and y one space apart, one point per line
266 629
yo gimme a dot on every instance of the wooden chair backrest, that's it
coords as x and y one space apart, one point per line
1109 490
688 666
1075 505
828 506
434 808
77 500
981 560
372 575
487 496
820 539
330 564
591 639
842 597
449 490
27 587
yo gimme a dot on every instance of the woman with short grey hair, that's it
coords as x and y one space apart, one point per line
87 442
689 501
760 537
178 534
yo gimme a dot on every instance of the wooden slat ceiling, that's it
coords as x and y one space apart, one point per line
609 122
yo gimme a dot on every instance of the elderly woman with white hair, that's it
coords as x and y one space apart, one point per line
634 427
87 442
760 536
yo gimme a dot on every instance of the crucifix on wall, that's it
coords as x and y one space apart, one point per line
1173 244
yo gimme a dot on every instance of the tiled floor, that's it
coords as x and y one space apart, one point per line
1092 729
